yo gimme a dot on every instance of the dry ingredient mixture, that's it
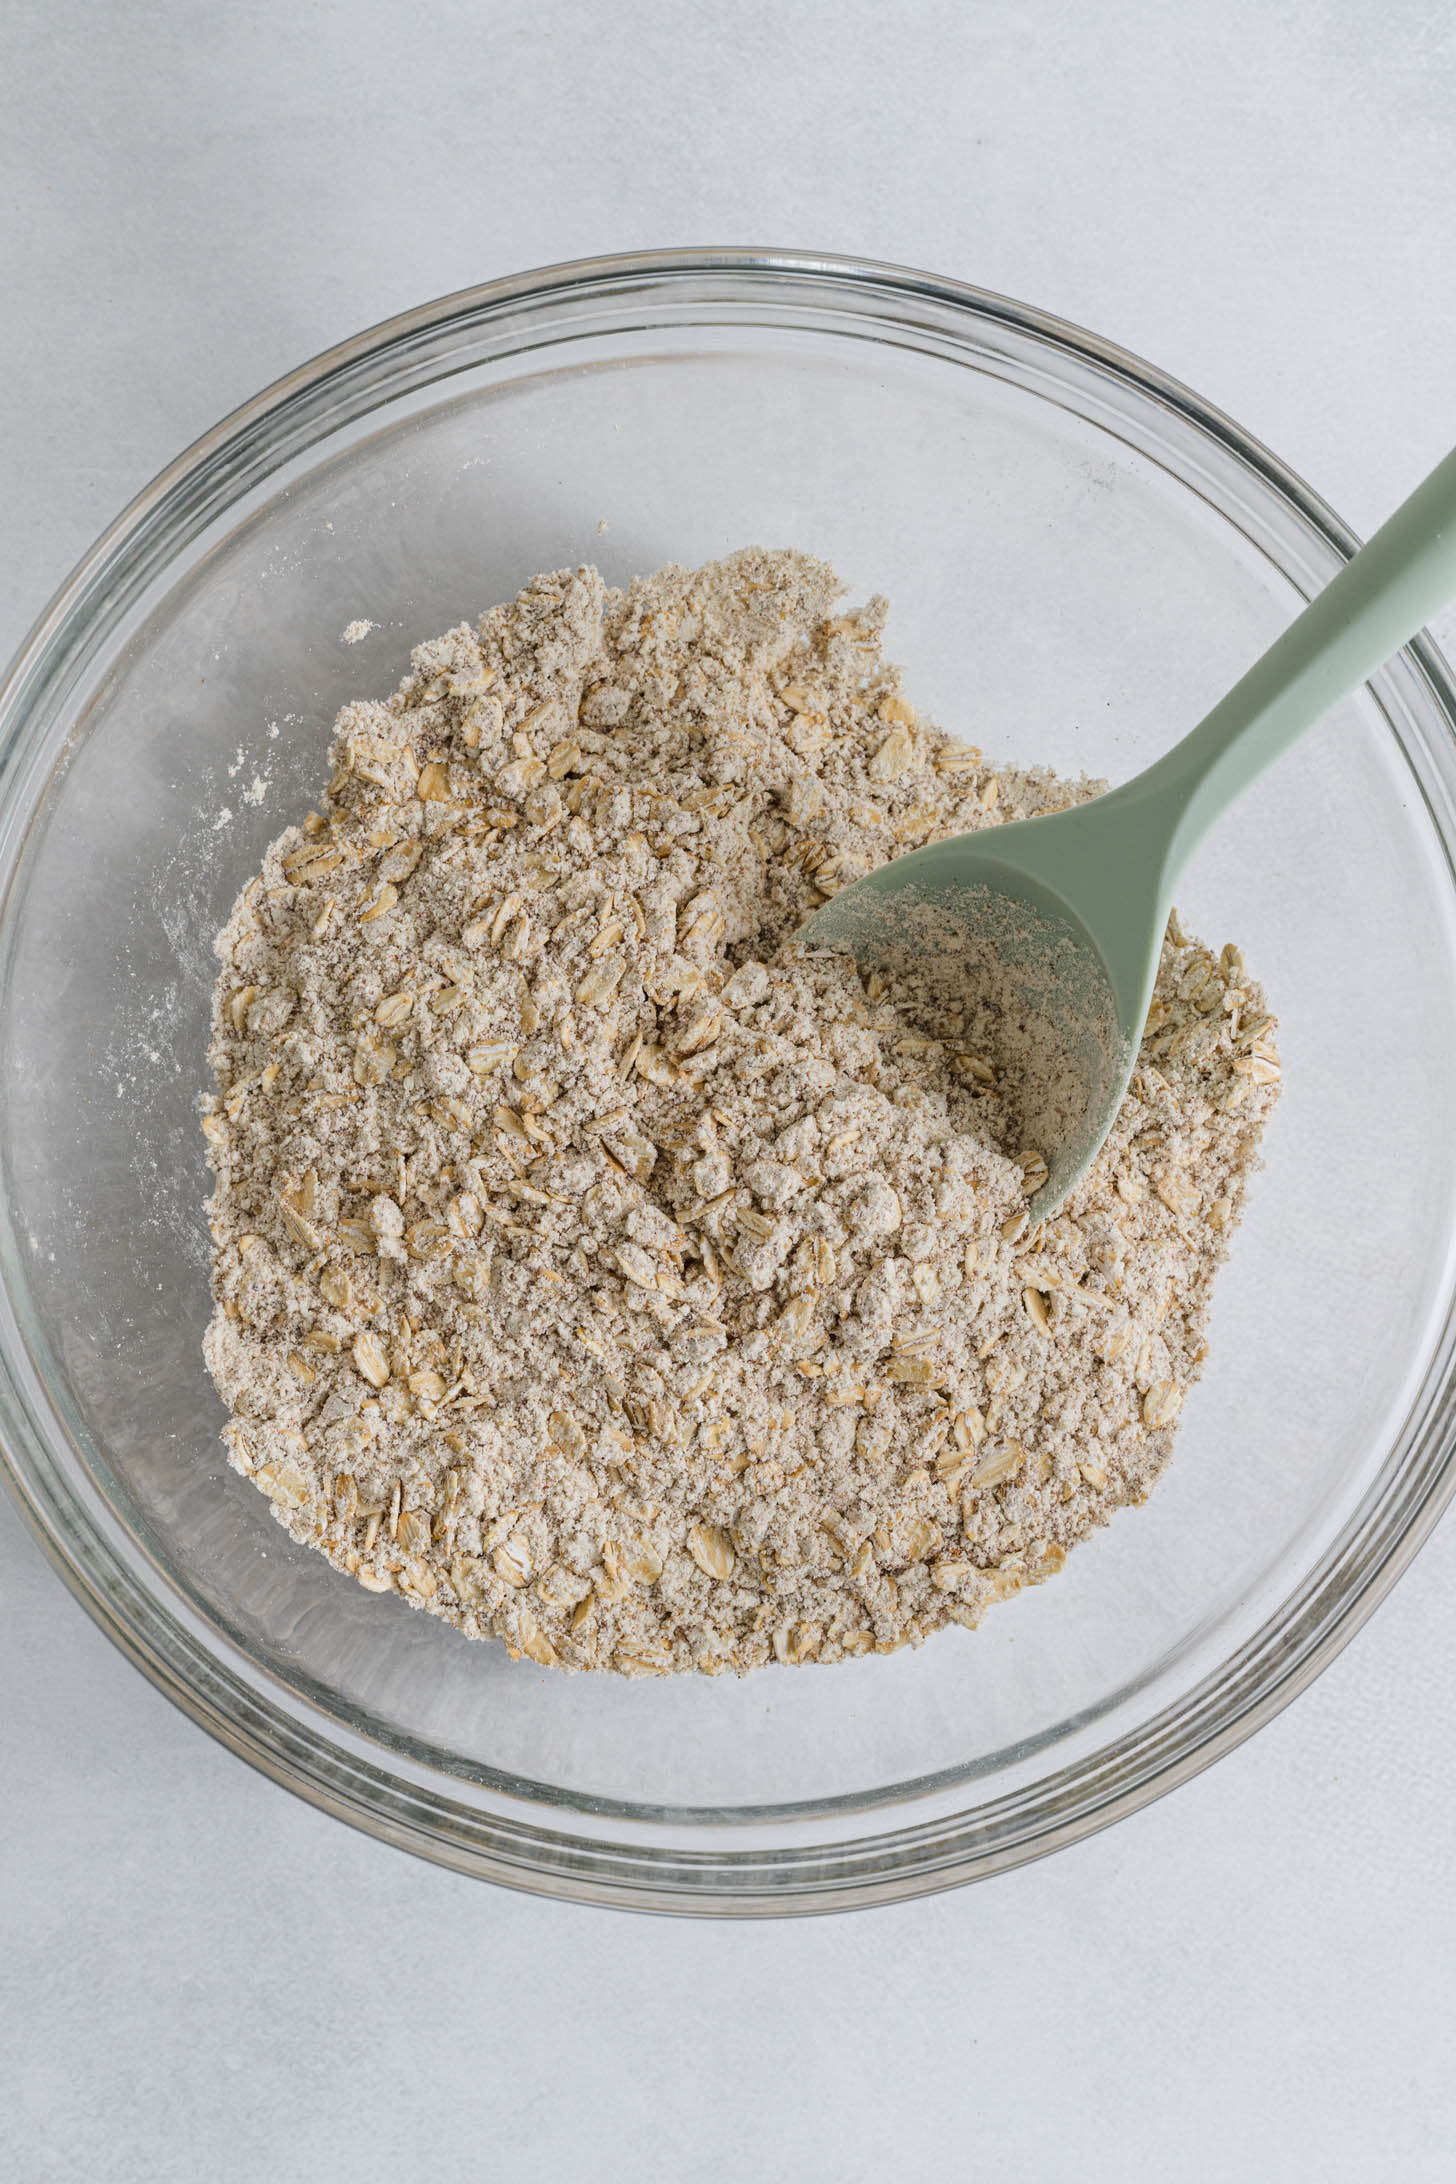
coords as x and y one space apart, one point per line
602 1272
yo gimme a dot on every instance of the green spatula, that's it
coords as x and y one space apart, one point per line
1085 894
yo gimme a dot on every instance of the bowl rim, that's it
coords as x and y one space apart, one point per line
342 1777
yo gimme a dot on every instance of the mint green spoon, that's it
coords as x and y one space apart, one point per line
1076 904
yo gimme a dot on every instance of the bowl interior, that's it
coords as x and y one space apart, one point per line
1065 588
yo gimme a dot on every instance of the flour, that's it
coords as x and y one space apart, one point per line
1009 985
601 1270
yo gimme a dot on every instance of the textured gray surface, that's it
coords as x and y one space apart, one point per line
200 1977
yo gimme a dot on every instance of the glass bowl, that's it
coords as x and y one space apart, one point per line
1080 556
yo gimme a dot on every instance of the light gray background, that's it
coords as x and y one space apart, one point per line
199 1977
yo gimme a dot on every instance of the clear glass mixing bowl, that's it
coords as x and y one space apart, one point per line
1080 556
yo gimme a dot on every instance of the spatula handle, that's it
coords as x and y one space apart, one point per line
1376 604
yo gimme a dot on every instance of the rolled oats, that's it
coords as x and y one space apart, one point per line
599 1271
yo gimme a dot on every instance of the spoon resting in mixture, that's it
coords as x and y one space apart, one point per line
1067 913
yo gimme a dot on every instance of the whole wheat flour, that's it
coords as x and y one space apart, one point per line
603 1272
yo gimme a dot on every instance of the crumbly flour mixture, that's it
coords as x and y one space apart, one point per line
604 1273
